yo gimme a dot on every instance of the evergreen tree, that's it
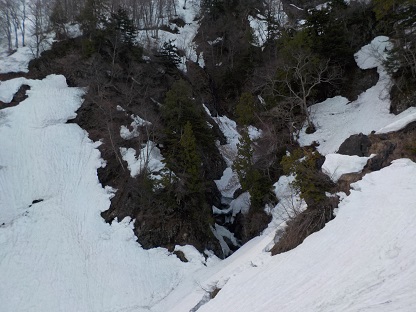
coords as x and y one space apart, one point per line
169 54
91 16
190 160
120 22
250 178
245 109
243 163
179 108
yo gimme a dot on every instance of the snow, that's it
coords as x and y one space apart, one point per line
184 39
259 26
59 254
149 158
363 260
19 60
401 122
138 122
228 183
336 118
336 165
9 88
240 204
16 62
220 233
290 204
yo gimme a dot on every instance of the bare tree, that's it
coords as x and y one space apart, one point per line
23 17
300 77
6 21
39 25
295 77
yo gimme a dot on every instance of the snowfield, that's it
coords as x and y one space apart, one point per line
58 254
363 260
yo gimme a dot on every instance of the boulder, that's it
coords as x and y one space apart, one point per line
357 144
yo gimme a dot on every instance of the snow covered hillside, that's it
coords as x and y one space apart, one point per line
364 260
58 254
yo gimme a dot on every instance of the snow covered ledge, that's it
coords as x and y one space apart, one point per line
336 118
336 165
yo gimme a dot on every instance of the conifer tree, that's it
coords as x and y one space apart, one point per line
91 16
250 178
245 109
243 162
190 160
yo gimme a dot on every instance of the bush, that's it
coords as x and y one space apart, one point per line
309 180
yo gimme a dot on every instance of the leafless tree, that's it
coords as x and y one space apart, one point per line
38 19
6 21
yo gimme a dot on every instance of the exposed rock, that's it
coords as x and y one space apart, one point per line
250 225
357 144
400 101
18 97
344 182
181 256
381 160
357 81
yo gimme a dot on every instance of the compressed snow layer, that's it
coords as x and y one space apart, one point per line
402 120
336 165
373 54
59 254
363 260
336 118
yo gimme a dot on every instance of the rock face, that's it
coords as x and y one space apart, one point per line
357 144
384 150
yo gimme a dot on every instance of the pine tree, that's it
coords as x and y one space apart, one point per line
190 160
169 54
245 109
91 16
250 178
243 163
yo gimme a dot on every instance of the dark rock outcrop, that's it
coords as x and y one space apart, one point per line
357 144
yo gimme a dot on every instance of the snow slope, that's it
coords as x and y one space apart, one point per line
363 260
59 254
336 118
